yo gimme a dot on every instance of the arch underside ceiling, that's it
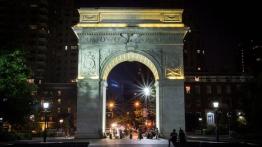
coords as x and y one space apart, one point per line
131 56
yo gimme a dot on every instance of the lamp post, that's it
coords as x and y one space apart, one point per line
1 123
111 105
200 119
216 106
229 123
45 106
147 93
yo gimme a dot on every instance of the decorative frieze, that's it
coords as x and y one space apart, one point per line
130 38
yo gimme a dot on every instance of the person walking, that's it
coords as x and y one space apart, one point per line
157 133
182 136
130 134
140 134
173 138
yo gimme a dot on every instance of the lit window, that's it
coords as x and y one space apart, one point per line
198 51
42 118
203 51
210 118
73 47
66 47
33 27
59 92
188 88
196 78
198 68
30 81
58 110
59 101
69 110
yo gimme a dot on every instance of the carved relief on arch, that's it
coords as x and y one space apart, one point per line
89 65
173 67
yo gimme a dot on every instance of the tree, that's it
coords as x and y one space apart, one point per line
251 103
15 90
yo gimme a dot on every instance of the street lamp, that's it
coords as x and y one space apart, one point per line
137 104
216 106
111 105
147 91
45 106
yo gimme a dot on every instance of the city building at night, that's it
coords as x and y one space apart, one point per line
62 112
42 28
205 84
31 34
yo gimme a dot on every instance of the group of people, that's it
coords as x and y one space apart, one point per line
152 133
149 134
174 138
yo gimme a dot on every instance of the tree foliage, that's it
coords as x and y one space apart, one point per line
251 103
15 90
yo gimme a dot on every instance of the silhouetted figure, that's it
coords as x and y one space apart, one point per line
156 133
182 136
173 138
120 134
131 134
110 135
140 134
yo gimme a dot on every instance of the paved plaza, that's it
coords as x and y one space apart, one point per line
129 143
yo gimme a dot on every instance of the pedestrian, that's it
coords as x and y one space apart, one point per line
131 134
182 136
173 138
156 133
140 134
120 134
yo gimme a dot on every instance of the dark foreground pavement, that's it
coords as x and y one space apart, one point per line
70 142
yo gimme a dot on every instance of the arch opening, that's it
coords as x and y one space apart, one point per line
142 100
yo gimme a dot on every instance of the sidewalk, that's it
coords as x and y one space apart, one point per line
222 138
192 139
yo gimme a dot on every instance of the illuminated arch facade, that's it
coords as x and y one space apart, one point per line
107 37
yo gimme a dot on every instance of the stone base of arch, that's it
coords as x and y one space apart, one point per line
89 112
90 108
